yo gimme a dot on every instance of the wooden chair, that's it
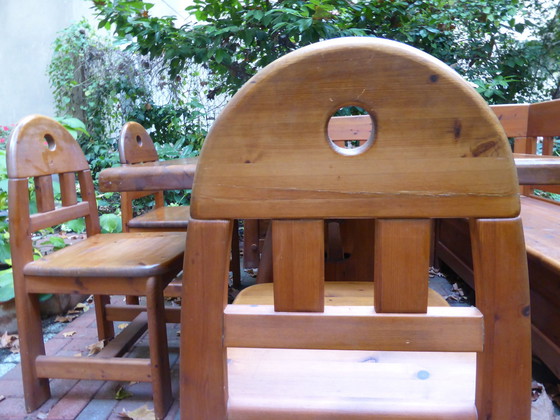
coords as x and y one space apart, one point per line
438 151
138 264
136 146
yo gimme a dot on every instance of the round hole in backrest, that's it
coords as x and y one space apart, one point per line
139 140
351 130
49 142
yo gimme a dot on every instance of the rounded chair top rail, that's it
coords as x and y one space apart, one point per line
437 150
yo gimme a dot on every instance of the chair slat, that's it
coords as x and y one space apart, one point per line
297 263
355 328
402 259
57 216
68 188
44 193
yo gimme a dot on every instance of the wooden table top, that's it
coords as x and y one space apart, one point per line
174 174
178 174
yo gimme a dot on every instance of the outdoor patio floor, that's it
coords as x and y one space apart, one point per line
84 399
95 400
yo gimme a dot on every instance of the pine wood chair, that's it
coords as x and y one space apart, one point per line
437 152
138 264
136 146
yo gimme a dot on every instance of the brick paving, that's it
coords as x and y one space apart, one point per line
85 399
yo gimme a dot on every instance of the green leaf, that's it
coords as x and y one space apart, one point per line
110 223
6 285
76 225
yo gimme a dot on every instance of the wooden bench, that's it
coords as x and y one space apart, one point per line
533 128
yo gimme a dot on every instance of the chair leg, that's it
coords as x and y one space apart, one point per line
159 356
36 390
105 328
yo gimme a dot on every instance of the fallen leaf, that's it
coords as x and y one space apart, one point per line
82 306
64 319
15 346
77 354
95 348
122 393
42 416
142 413
69 334
122 326
7 340
2 398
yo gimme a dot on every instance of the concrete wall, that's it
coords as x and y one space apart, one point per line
27 30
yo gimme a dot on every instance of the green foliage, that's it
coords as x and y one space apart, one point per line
76 225
110 223
6 285
96 82
493 44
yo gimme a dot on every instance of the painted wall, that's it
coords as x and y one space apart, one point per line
27 30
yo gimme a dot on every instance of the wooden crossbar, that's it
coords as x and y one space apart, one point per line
441 329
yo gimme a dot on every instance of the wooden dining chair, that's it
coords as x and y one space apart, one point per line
438 151
136 146
138 264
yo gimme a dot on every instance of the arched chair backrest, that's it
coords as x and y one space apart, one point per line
41 146
136 145
268 153
437 151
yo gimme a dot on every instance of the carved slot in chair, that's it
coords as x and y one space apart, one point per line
138 264
438 151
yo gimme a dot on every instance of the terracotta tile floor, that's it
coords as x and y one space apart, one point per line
86 400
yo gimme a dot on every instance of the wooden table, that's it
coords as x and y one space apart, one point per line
175 174
178 174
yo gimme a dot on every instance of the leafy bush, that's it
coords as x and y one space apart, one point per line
508 48
97 82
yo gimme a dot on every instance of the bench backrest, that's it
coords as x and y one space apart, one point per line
534 128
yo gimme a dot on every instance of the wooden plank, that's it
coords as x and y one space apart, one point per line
203 378
138 254
534 169
91 285
321 384
129 312
355 328
337 293
177 174
502 295
54 217
117 369
514 118
124 341
298 252
44 193
543 119
402 259
162 219
68 188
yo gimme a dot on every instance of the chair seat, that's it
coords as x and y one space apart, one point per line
176 218
137 254
334 384
337 293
